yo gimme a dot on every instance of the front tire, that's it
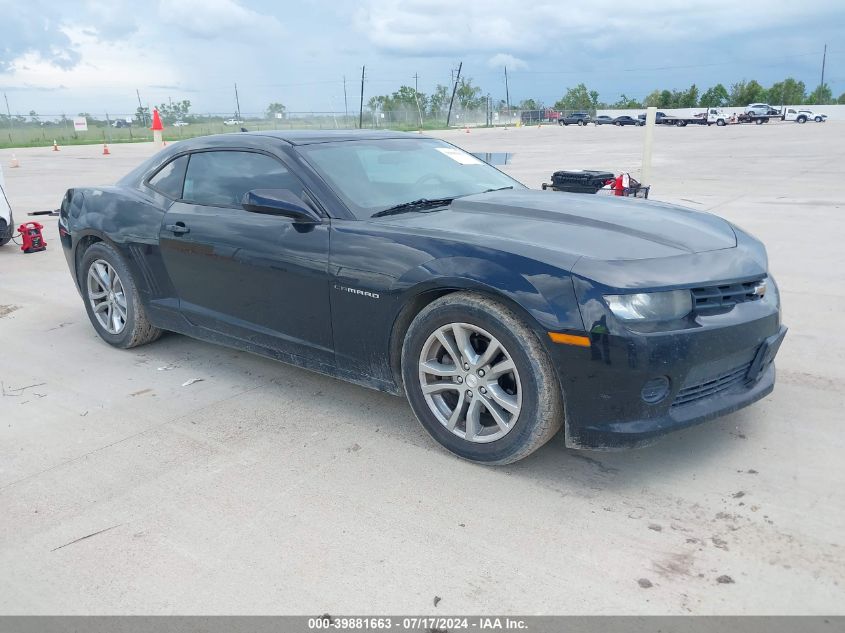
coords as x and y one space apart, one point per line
479 380
111 299
7 230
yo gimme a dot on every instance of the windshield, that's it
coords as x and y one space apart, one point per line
378 174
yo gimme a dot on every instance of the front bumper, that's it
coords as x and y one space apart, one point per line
711 371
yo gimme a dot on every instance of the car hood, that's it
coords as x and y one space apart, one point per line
581 225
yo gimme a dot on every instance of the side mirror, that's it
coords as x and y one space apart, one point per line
279 202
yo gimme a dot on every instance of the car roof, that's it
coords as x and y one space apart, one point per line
308 137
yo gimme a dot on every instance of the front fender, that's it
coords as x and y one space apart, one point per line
544 293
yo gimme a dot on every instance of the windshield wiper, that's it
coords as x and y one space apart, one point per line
414 205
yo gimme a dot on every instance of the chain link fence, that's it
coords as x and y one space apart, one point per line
44 129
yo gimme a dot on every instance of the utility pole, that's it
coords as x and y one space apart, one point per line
507 92
416 97
454 90
345 104
141 108
821 85
237 103
361 107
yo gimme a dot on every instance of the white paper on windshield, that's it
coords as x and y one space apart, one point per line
458 156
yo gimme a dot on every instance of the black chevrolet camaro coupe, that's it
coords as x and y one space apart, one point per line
404 264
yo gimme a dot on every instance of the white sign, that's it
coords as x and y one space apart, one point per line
458 156
80 124
279 115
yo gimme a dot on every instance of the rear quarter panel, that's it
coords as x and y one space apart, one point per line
128 219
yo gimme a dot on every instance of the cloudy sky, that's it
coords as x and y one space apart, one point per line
67 56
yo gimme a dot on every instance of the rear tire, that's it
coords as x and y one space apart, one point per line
486 406
802 119
111 299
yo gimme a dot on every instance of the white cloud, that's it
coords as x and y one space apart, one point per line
444 27
503 59
106 69
214 18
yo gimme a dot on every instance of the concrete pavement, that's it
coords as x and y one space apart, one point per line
268 489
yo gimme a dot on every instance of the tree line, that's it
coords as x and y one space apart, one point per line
789 91
470 97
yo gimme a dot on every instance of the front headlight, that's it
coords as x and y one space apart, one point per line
772 295
651 306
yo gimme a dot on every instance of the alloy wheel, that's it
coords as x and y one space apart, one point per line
107 296
470 382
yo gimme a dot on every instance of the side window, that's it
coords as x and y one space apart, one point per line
221 178
169 178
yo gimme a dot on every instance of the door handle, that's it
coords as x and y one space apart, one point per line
178 229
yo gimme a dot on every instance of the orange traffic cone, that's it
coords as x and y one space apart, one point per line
106 151
55 146
14 162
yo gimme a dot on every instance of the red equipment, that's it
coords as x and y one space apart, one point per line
33 241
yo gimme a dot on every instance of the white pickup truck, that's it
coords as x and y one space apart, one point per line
802 116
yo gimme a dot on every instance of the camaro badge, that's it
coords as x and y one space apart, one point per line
356 291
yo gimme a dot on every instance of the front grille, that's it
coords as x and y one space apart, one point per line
725 297
711 386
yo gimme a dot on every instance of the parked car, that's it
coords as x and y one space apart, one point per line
627 120
233 121
7 222
761 109
486 303
180 123
576 118
603 119
121 123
